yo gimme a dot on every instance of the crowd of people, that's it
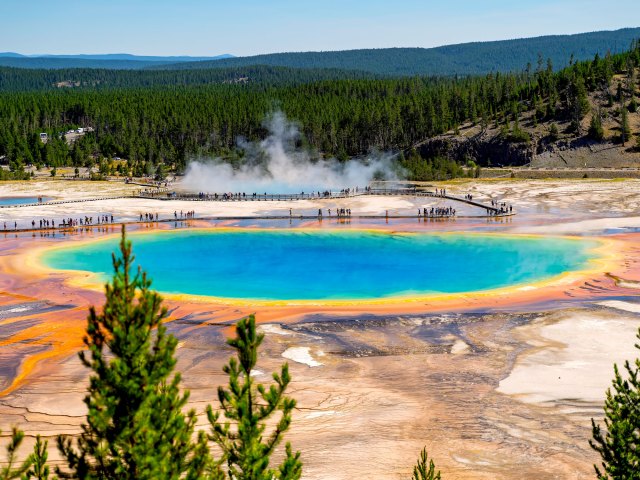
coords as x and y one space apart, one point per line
501 208
74 222
184 215
149 217
102 219
258 196
438 212
497 209
44 223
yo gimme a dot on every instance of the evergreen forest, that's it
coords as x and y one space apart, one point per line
159 120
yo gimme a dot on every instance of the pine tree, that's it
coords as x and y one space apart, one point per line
39 469
625 129
619 444
10 470
135 425
578 103
425 469
596 131
246 451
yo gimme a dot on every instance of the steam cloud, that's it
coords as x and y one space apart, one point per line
275 165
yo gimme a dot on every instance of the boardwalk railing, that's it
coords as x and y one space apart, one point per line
163 194
61 202
422 193
263 197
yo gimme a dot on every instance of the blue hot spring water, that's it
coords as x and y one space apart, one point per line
20 200
331 265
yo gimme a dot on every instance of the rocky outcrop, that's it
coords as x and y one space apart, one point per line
489 150
486 150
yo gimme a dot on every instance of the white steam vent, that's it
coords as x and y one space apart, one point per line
275 165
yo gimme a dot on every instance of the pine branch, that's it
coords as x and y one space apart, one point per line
10 471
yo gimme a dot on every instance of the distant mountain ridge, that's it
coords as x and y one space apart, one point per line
475 58
462 59
118 61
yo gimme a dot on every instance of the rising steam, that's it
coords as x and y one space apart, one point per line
275 165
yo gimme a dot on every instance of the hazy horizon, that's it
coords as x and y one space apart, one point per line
204 28
222 54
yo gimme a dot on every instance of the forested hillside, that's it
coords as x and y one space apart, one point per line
464 59
475 58
21 80
341 117
112 61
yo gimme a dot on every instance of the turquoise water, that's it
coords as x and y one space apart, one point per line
313 265
19 200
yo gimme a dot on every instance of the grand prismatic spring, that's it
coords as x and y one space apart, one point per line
336 265
490 340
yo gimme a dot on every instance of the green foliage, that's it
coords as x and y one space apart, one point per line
577 101
619 92
12 468
619 443
516 135
8 175
135 427
596 132
161 173
553 132
39 470
16 165
246 449
34 467
633 105
434 168
153 118
625 129
476 58
425 469
83 78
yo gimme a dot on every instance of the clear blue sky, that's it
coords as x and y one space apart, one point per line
248 27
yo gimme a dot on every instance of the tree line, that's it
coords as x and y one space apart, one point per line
169 122
477 58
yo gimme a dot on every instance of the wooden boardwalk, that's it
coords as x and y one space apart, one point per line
418 193
408 192
63 228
